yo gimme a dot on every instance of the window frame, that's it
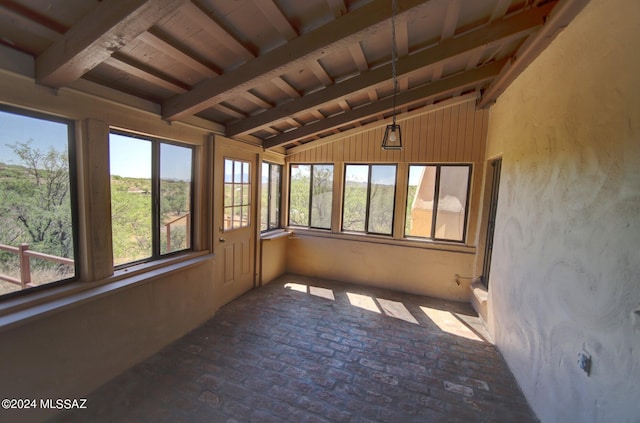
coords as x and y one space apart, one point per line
156 143
73 196
436 198
368 199
310 205
278 224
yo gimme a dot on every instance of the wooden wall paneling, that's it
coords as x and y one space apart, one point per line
376 153
422 139
437 129
435 145
446 129
455 129
469 133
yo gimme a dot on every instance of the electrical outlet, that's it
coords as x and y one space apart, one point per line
584 362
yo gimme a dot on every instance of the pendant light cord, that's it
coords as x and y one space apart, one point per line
394 53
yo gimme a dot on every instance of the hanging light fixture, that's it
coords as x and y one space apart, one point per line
392 135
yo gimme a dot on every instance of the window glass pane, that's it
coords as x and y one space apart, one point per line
452 202
354 211
264 197
35 199
130 161
299 195
381 199
175 198
422 181
321 196
274 197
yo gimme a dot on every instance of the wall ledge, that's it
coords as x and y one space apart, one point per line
23 309
479 298
452 247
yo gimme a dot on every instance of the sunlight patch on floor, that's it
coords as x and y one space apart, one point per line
321 292
396 309
296 287
448 322
363 301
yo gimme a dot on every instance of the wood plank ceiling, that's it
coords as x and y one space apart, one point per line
286 72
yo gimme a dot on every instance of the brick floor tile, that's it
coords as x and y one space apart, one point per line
279 355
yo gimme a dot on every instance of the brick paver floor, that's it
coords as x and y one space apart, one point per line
309 350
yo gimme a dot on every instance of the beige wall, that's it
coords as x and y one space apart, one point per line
565 268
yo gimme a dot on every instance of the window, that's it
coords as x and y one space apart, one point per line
37 200
310 195
151 197
237 194
369 198
443 189
270 204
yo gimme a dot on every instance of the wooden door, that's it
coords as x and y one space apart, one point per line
235 215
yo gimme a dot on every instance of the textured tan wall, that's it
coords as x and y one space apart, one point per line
565 268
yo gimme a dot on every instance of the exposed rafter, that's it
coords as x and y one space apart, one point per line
32 21
315 44
439 88
167 48
106 29
515 26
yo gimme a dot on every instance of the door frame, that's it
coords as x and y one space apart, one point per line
225 147
494 183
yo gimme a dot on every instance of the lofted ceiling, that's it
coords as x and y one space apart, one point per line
284 72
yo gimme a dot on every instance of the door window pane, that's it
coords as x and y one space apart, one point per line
237 194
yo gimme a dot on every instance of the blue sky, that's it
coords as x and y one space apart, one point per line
44 134
130 157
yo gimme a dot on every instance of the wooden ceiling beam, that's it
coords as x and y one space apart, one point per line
315 44
141 71
103 31
214 27
277 18
517 26
31 21
170 50
337 7
448 85
358 57
320 73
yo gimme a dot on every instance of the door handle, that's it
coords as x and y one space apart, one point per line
222 240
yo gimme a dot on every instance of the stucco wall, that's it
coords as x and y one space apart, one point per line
566 263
